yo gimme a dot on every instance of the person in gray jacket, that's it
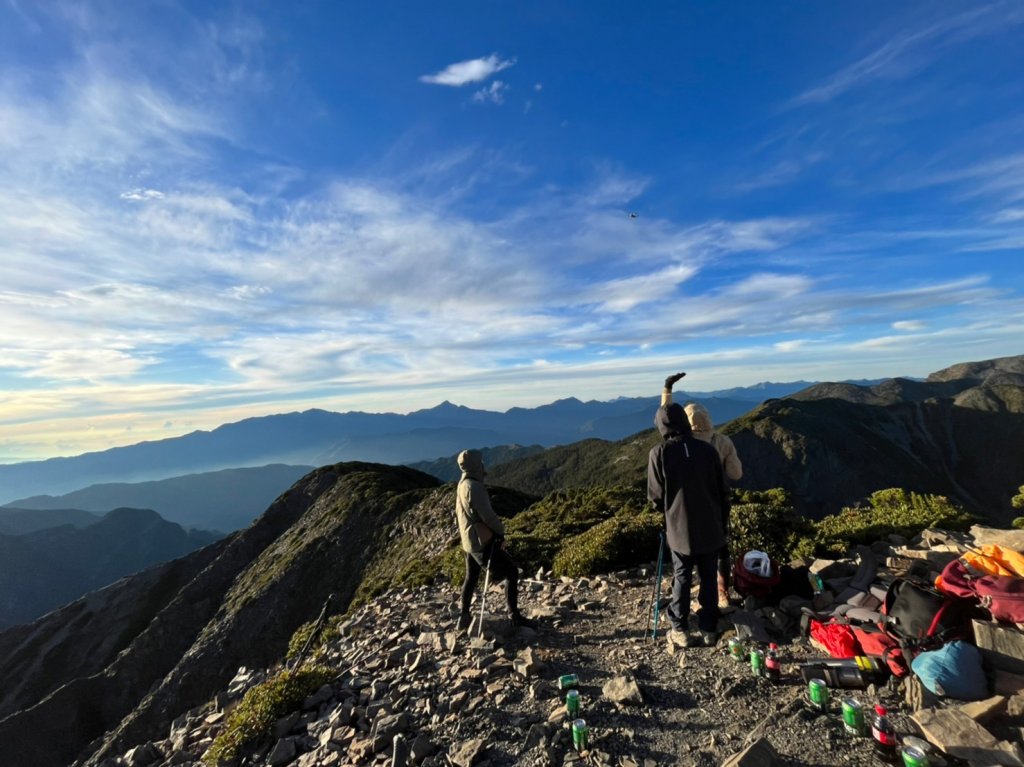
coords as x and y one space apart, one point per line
685 481
483 540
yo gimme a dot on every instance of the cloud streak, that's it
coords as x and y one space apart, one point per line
467 72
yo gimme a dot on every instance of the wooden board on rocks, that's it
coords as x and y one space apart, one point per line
958 735
1001 646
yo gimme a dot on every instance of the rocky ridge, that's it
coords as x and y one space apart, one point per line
407 689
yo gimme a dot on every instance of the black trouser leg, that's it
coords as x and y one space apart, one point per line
503 568
725 565
682 580
707 595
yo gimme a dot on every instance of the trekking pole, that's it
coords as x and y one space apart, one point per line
657 584
312 634
483 598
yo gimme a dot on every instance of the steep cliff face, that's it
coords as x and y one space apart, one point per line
235 604
960 434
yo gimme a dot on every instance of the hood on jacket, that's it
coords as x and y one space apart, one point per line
671 421
700 418
472 463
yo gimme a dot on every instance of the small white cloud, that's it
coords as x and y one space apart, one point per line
142 194
494 93
791 346
471 71
538 87
908 325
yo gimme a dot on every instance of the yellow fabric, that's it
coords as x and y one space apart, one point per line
996 560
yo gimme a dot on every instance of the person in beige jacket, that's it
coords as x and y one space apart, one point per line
704 429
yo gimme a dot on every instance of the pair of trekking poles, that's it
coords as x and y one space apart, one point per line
656 599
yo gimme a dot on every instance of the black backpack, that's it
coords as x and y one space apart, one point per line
921 617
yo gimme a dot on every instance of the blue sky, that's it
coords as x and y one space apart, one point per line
217 210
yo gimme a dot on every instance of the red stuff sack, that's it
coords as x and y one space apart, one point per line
837 639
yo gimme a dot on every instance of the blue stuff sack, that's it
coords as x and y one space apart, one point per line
954 671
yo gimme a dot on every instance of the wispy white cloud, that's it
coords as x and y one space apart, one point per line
907 53
492 94
470 71
908 325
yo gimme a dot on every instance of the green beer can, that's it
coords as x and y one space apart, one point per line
568 682
817 694
572 703
853 716
914 757
757 662
736 648
580 736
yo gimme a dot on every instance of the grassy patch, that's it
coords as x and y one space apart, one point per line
264 704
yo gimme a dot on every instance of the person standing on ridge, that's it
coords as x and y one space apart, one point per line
685 481
483 540
703 428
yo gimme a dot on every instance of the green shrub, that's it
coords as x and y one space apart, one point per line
770 525
263 705
892 511
1018 500
1018 523
536 535
327 634
625 540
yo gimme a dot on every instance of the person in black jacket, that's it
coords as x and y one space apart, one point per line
685 481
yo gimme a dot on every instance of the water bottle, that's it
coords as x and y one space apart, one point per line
887 745
772 665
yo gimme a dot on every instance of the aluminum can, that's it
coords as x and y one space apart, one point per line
914 757
757 662
580 736
736 648
568 681
572 703
817 694
853 717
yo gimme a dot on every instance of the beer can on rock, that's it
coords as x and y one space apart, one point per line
914 757
817 694
568 681
736 648
572 703
580 736
757 662
853 717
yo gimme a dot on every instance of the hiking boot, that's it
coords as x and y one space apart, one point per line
521 621
678 638
723 593
464 620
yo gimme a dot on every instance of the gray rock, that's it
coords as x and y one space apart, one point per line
282 753
421 748
760 753
144 755
537 736
284 725
466 753
623 690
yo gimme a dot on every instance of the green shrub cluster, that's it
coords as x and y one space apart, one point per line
1018 500
766 521
537 535
625 540
263 705
1018 523
888 512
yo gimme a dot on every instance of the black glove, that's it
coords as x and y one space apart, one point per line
670 381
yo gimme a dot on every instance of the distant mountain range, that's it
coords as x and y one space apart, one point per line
320 437
18 521
220 500
958 433
114 667
43 569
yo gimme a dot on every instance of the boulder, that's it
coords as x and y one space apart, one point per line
466 753
760 753
623 690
